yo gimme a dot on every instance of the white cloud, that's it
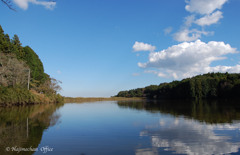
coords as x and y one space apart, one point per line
209 19
189 20
204 6
185 34
24 3
151 71
189 35
190 58
140 46
159 74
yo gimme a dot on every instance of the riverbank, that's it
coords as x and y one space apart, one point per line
20 96
92 99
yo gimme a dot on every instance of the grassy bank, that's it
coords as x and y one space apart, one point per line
92 99
20 96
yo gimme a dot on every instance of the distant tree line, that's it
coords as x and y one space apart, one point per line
211 85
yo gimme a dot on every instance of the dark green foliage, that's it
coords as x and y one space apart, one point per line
18 95
35 65
15 63
131 93
25 54
211 85
5 44
151 91
2 39
17 47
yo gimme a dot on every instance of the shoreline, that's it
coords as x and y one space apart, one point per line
92 99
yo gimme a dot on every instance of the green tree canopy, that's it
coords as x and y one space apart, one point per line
211 85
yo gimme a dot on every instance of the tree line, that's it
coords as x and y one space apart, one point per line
206 86
21 68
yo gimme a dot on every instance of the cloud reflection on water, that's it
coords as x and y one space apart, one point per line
187 136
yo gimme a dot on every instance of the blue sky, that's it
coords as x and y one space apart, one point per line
99 47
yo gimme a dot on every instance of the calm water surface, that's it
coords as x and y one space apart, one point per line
123 128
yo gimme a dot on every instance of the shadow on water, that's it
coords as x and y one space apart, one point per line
204 111
23 126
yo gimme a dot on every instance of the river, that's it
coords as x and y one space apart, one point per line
121 128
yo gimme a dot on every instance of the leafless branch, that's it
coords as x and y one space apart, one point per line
9 4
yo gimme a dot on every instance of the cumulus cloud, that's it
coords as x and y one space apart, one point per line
189 35
207 13
24 3
140 46
204 6
189 20
209 19
190 58
159 74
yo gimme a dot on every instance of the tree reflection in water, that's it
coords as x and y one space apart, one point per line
23 126
195 127
203 111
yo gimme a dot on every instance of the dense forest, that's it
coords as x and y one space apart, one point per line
22 76
207 86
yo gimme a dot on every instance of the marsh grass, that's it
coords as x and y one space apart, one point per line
92 99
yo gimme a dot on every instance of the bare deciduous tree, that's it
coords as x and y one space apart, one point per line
12 71
50 86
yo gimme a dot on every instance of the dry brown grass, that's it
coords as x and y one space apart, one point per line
93 99
41 97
